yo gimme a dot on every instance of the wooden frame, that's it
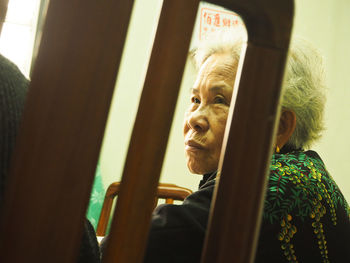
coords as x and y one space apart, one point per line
66 110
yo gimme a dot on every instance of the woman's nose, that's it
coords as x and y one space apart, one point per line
198 120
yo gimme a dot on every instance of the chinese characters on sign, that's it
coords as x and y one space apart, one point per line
214 20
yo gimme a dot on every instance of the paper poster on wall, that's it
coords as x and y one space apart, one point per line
214 19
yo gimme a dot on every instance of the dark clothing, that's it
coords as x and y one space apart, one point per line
13 89
177 231
89 249
306 218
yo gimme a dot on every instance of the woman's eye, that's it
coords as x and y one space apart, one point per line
195 100
220 100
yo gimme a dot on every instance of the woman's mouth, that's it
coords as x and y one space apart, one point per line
191 145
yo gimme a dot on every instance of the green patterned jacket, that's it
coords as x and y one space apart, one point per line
305 215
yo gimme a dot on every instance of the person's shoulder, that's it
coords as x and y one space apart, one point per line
12 79
7 65
89 249
305 214
299 181
190 216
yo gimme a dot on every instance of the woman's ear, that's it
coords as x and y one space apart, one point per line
286 127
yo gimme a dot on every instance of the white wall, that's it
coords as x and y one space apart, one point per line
326 24
323 22
128 88
336 142
18 33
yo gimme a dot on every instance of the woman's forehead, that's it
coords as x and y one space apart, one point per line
218 68
221 88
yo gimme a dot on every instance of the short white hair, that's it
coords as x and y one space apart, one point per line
303 88
220 42
303 92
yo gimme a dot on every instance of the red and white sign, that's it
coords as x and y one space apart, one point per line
212 20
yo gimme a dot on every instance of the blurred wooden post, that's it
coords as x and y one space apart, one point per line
238 201
3 11
142 169
58 146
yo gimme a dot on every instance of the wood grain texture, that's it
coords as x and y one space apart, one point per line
58 146
144 160
238 200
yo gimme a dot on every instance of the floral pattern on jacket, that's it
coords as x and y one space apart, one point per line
302 196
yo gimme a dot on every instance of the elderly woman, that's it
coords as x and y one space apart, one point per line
306 218
13 90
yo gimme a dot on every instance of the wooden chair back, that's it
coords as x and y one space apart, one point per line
169 192
65 115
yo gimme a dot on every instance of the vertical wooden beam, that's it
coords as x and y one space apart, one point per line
244 165
130 225
63 125
235 222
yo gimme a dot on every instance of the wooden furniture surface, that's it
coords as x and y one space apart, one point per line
169 192
65 115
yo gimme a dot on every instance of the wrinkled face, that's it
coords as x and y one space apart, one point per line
206 117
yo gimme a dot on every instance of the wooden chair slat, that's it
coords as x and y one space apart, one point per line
63 125
238 201
130 224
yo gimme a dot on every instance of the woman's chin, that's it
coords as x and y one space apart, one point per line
197 168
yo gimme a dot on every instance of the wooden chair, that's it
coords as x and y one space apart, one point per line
65 115
169 192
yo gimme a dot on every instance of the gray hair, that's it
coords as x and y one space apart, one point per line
303 89
304 93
